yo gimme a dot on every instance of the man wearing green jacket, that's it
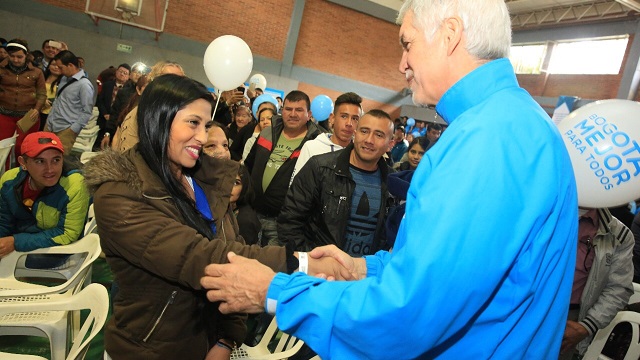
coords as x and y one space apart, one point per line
42 202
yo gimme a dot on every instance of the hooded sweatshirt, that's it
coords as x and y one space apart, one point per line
322 144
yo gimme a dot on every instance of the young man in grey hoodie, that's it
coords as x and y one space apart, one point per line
343 121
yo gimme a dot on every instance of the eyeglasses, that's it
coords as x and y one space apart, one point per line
123 72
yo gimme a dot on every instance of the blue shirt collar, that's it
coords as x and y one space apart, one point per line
476 87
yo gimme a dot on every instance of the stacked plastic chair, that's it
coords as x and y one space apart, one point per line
94 298
88 135
285 346
594 352
52 324
6 146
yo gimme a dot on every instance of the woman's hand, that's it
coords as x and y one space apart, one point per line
218 353
33 114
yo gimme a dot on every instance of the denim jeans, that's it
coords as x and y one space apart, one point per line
269 230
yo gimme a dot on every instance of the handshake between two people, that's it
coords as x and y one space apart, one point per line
242 284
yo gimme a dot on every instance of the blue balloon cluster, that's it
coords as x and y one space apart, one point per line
259 100
321 107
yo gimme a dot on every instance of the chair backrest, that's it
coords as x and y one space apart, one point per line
601 337
8 141
286 345
10 286
5 150
91 226
87 155
635 298
94 297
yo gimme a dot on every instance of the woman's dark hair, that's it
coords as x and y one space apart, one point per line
133 101
158 106
422 141
47 73
273 113
247 195
225 129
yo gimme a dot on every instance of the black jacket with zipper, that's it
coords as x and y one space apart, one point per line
270 200
318 205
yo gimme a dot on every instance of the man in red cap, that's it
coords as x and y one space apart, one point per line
43 203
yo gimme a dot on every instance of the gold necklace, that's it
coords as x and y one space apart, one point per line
31 185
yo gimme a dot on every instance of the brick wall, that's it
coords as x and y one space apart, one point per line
350 44
367 104
335 40
67 4
262 24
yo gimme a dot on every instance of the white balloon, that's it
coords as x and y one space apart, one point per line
603 140
228 62
259 80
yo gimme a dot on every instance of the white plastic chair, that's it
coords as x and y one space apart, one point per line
72 271
635 298
286 347
53 325
94 297
91 226
88 135
86 156
600 339
6 145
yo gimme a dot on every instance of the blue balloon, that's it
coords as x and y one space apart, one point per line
260 99
411 122
321 107
415 134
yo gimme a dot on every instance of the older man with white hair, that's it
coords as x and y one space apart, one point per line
483 261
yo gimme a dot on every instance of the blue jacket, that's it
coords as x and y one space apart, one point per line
491 275
57 216
398 150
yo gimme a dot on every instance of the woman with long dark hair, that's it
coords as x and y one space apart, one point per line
160 209
417 148
52 77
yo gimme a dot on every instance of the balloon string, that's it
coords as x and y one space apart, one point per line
217 102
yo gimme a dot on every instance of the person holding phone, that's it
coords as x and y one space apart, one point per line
50 48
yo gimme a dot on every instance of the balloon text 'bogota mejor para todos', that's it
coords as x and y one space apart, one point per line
603 142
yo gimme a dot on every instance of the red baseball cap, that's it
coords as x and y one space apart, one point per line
37 142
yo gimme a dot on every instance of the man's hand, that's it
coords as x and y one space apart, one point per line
7 245
232 96
573 334
240 286
357 267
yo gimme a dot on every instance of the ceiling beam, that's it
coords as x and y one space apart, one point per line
631 4
572 14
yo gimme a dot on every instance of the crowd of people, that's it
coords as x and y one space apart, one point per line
461 241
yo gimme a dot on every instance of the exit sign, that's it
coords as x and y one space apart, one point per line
125 48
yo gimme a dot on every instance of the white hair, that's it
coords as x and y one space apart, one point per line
487 25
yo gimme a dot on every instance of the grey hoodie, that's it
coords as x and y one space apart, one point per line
322 144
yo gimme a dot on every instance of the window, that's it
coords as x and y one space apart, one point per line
593 56
527 59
